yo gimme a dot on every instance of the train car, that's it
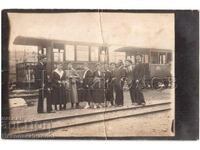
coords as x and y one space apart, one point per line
25 75
60 51
156 62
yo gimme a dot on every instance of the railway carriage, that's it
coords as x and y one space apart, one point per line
156 64
59 51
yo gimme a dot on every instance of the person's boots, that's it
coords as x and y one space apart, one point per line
72 105
56 107
78 106
65 106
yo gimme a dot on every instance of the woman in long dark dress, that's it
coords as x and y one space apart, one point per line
98 92
108 85
58 88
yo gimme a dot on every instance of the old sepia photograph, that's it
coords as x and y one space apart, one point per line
91 74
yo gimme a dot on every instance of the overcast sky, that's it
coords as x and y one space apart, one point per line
133 29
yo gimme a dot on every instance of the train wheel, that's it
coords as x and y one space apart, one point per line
166 83
155 83
148 84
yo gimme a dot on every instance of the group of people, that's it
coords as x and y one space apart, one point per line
101 88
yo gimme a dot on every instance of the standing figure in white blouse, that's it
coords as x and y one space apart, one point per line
58 88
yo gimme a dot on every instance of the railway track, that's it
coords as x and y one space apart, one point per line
21 129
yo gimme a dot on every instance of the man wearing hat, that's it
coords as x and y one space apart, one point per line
42 84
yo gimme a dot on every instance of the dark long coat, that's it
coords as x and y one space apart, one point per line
43 85
109 86
119 75
87 83
138 75
130 80
98 87
40 75
59 92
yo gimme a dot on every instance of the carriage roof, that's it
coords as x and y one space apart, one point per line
33 41
131 49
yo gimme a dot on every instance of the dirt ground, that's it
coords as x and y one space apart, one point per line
30 112
157 124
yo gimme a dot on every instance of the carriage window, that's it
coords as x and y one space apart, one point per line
146 59
143 59
82 53
128 57
162 58
133 59
58 55
103 55
154 58
61 55
169 57
55 50
94 53
44 51
69 52
40 51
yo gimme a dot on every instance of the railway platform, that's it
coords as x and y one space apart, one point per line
25 120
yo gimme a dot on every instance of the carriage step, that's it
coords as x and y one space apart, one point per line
23 94
21 129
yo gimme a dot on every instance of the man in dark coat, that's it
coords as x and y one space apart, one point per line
43 85
137 84
130 79
87 82
108 85
119 75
